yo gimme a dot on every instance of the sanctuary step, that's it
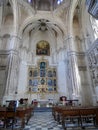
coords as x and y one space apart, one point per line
42 109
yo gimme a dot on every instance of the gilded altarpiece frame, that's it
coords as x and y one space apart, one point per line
43 78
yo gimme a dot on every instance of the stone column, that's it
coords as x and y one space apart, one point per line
68 43
12 76
73 81
13 69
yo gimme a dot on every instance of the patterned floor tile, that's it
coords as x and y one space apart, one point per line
44 121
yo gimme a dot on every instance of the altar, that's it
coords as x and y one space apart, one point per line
43 103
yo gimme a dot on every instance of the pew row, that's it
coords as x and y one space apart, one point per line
22 113
76 116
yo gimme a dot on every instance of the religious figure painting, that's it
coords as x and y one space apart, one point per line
35 73
42 81
42 73
35 82
49 73
43 48
49 82
30 82
42 76
42 65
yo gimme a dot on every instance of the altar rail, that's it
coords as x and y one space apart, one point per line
80 114
23 113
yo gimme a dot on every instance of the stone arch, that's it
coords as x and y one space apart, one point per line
77 30
70 18
7 19
55 20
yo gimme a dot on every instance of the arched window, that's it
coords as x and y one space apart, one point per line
59 1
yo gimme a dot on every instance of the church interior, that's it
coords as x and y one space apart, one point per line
49 60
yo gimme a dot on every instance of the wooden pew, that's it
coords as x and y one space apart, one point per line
3 115
75 112
96 110
28 113
23 113
87 115
70 116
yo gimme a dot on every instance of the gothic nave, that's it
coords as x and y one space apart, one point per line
49 53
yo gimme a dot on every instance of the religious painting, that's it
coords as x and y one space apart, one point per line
42 77
35 82
35 73
42 65
42 73
30 82
42 81
49 82
49 73
43 48
50 89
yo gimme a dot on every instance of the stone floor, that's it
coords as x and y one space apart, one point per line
44 121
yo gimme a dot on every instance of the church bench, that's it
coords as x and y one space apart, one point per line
56 112
22 113
28 113
75 113
70 117
88 115
3 115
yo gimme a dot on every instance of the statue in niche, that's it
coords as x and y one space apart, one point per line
43 48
